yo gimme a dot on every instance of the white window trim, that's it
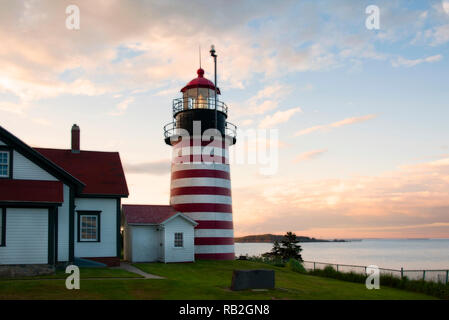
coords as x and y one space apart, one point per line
81 229
174 240
8 164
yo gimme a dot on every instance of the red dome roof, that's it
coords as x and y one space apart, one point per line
200 82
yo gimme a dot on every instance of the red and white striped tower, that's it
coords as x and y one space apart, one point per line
200 176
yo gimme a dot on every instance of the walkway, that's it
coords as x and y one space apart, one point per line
126 266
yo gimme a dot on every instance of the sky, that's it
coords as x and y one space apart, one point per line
354 120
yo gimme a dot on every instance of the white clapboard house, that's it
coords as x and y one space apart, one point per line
157 233
59 205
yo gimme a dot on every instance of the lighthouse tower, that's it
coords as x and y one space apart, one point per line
200 176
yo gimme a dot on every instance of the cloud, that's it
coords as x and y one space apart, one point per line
266 99
275 91
37 48
411 63
411 201
42 121
168 92
309 155
278 117
445 5
122 107
20 110
265 106
336 124
246 122
441 34
160 167
11 107
438 35
129 45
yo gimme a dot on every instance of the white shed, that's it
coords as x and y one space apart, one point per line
157 233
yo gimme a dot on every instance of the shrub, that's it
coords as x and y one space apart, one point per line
436 289
330 272
295 266
274 261
439 290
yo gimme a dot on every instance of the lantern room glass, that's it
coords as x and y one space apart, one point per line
199 98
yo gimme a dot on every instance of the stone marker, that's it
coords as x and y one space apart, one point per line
252 279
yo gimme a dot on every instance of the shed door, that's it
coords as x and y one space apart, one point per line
145 244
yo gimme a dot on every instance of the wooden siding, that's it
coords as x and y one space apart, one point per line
107 247
185 254
26 237
25 169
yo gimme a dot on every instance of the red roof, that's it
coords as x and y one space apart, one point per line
200 82
31 191
147 214
101 172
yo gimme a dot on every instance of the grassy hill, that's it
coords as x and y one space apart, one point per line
199 280
270 238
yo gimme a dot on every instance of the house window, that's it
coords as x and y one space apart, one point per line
4 164
88 226
179 243
2 227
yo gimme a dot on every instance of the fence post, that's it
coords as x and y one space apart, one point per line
314 266
424 274
337 267
447 276
402 272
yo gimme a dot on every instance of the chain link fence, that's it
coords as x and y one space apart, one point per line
427 275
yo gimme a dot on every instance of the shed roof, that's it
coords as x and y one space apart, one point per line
150 214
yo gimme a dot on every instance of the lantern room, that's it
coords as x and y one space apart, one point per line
199 102
199 93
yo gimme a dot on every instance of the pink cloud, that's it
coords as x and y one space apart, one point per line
309 155
412 201
336 124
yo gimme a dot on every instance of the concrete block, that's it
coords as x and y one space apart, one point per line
252 279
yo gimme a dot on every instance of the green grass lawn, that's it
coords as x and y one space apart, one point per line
200 280
87 273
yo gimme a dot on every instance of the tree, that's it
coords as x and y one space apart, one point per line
290 247
275 252
287 249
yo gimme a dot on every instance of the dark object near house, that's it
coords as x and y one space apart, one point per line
252 279
242 258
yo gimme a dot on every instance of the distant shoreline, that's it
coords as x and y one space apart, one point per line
271 238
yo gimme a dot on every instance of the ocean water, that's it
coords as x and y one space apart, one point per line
384 253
